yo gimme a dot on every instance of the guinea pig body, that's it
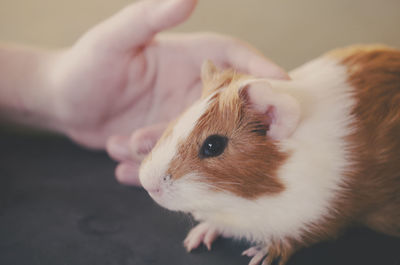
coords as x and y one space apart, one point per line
286 164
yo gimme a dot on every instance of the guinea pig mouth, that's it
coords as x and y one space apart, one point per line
157 197
156 187
155 193
164 199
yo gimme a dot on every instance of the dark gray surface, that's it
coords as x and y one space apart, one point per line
60 204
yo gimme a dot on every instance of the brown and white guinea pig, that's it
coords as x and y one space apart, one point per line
286 164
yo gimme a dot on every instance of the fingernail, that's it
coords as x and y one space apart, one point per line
145 147
140 148
118 148
127 174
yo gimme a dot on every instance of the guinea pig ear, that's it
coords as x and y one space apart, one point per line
208 71
209 74
281 110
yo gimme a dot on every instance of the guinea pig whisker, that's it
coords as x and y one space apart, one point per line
226 183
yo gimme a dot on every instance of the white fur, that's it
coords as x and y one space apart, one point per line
154 169
312 175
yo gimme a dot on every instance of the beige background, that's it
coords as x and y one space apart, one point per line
290 32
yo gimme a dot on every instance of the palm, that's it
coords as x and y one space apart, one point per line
124 95
121 77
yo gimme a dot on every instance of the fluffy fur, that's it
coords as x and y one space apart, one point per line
292 191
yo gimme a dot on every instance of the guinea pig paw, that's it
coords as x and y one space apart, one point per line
257 254
202 233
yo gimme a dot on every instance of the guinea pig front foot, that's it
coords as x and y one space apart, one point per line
265 255
257 254
201 233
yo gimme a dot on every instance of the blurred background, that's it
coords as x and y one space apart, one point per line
287 31
88 218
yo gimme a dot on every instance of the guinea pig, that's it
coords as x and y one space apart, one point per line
286 163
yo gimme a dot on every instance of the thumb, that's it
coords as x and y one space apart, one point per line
136 146
144 139
136 24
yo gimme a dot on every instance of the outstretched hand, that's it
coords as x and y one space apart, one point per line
121 77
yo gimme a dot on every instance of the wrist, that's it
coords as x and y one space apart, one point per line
27 91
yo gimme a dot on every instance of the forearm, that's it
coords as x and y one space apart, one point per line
27 95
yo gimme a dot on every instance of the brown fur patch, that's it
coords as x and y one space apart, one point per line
248 166
374 72
371 195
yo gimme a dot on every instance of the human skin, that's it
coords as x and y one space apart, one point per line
121 82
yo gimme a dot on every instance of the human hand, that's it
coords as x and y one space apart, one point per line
122 77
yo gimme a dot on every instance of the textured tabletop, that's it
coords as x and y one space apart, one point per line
60 205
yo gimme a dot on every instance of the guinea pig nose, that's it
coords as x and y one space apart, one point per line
166 178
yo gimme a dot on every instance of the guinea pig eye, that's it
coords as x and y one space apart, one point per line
213 146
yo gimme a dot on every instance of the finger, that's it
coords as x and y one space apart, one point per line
136 146
144 139
136 24
117 147
245 58
230 52
127 173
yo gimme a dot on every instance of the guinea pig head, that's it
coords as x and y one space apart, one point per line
225 144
